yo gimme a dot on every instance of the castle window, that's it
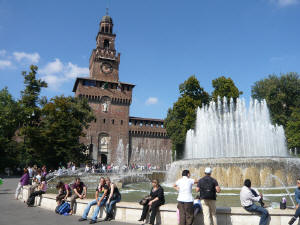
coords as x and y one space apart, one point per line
103 120
90 83
113 121
121 122
106 43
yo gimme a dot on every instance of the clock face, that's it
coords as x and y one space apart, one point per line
106 68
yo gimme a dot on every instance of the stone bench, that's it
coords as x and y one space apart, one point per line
130 212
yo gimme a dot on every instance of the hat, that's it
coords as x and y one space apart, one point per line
208 170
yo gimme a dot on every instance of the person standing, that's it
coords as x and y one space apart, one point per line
114 196
157 199
79 190
247 198
185 199
208 188
23 181
297 198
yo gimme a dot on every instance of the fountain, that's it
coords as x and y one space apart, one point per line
239 143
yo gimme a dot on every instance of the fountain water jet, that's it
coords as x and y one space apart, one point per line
239 143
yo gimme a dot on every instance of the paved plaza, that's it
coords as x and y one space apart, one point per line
13 212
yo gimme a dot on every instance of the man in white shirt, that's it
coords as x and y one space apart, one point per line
185 199
247 198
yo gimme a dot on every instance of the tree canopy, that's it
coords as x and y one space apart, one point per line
10 121
282 94
225 87
182 116
48 132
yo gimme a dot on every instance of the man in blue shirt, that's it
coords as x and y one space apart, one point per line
297 197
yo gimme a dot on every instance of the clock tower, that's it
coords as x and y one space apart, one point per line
104 61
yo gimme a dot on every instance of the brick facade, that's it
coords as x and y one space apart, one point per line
110 99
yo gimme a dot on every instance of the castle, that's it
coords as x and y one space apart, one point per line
140 140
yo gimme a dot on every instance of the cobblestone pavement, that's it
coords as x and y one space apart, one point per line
13 212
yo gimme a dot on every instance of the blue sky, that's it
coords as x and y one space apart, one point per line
162 43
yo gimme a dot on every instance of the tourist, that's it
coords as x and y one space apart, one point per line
64 191
42 188
157 199
297 197
23 181
185 199
208 188
79 190
114 197
100 200
44 171
247 201
197 205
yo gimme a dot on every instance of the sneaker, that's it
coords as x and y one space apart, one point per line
82 219
93 221
293 219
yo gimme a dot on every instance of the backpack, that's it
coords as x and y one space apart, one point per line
64 208
57 207
208 190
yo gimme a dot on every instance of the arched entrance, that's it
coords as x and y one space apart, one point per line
103 146
103 159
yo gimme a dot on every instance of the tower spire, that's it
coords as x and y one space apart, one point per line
106 12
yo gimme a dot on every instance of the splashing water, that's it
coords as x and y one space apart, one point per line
232 130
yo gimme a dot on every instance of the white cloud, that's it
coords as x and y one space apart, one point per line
27 57
2 52
56 73
151 101
73 71
5 64
283 3
53 67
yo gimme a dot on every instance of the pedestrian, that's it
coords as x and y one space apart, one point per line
100 200
42 188
79 190
185 199
157 199
247 201
23 181
297 198
64 191
44 171
208 188
114 197
197 205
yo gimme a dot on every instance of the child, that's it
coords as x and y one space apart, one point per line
197 205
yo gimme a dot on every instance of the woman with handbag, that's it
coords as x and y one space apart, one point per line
157 199
114 197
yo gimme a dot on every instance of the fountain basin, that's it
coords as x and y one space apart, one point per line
231 172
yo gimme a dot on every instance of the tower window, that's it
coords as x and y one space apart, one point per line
106 43
113 121
103 120
121 122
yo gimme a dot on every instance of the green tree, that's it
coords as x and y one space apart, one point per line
293 129
64 120
31 116
225 87
282 94
10 122
182 116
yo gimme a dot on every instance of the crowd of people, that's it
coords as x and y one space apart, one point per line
107 194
